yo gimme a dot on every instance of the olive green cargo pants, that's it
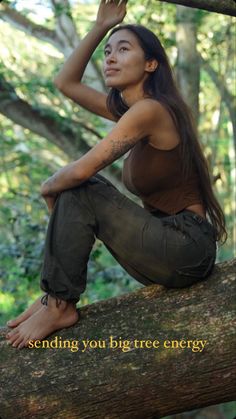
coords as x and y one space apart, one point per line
154 248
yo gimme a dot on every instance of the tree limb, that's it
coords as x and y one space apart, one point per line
64 38
26 25
141 382
64 25
42 121
226 7
67 33
64 133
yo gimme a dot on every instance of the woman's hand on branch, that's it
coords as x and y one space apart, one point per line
111 12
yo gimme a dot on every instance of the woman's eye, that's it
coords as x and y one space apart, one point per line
107 52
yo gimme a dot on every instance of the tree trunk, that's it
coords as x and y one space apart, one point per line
227 97
226 7
143 382
188 68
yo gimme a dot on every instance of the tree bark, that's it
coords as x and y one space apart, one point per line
141 382
226 7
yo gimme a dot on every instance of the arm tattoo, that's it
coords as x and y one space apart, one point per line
118 148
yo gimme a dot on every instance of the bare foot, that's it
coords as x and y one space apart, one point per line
26 314
43 322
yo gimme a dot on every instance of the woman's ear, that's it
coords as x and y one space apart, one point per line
151 65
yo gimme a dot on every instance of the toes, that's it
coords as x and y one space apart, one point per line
21 345
12 334
18 341
12 323
13 339
26 342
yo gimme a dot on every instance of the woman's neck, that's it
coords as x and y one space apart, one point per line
131 95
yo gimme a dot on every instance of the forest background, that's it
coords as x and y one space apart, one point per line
41 130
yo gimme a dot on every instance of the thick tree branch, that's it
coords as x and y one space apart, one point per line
226 7
42 121
64 133
141 382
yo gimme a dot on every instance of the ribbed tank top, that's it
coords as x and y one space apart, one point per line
155 176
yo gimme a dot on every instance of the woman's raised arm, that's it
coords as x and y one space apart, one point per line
68 81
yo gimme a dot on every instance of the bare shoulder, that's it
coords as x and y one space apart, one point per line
146 110
148 104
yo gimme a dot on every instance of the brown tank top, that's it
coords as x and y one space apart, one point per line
155 176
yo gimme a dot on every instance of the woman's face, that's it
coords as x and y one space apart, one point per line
124 64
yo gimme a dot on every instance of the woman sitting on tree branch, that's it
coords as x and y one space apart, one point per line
171 240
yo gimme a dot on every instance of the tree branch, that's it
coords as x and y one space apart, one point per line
67 33
65 37
26 25
226 7
64 25
42 121
135 383
64 133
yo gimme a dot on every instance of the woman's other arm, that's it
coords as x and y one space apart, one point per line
68 81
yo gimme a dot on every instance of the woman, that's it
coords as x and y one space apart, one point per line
169 241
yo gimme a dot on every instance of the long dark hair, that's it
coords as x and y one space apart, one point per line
161 86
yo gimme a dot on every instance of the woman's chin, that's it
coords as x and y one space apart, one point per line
112 84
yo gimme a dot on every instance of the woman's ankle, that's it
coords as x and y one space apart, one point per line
58 304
